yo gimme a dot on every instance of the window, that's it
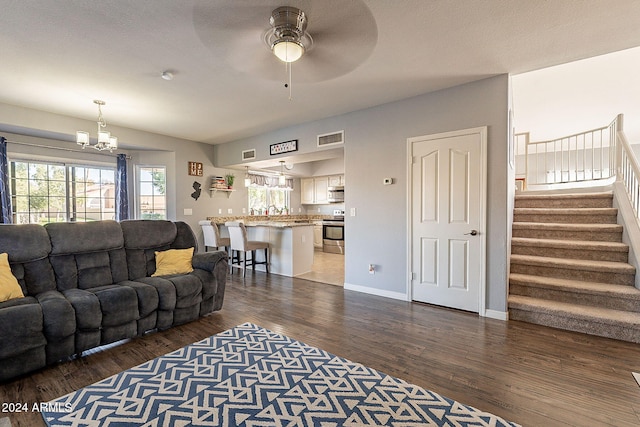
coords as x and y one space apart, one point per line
50 192
94 193
261 198
152 190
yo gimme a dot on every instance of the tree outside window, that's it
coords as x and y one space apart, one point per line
273 200
152 184
45 192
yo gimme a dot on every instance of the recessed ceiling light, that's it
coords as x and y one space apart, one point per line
167 75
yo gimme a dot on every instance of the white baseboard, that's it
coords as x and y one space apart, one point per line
498 315
378 292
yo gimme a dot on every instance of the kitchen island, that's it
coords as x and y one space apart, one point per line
290 244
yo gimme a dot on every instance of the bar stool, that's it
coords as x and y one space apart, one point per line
212 237
240 243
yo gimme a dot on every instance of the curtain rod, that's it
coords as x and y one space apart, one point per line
62 148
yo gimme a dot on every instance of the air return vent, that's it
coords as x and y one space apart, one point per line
249 154
333 138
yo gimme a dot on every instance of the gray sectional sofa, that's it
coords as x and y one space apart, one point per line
89 284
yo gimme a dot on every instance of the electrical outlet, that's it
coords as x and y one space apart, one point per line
229 211
352 211
220 211
188 212
244 210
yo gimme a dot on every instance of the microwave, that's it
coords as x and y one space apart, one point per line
336 194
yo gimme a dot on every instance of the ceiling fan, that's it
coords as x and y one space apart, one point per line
335 36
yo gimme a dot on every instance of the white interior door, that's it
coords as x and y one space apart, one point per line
448 225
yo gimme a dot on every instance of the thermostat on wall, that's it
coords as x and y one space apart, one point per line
387 181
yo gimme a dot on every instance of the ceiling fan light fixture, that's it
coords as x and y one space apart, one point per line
288 38
288 51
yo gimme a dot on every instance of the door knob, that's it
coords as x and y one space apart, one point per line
473 233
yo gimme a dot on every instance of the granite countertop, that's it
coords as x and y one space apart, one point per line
278 221
278 224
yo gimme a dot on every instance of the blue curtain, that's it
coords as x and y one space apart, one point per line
122 197
5 194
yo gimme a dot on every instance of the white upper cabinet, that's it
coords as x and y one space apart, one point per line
336 180
321 188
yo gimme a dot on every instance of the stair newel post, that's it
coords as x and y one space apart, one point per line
619 127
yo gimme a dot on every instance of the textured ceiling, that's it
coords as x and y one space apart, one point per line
58 56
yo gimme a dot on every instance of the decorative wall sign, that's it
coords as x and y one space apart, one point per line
283 147
196 186
195 168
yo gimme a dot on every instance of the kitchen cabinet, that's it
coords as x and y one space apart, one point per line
314 190
321 186
307 190
336 180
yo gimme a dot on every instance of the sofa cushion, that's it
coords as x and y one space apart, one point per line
166 292
90 270
148 299
28 247
24 242
142 238
87 255
21 328
184 237
59 317
87 309
34 276
119 304
188 289
9 286
145 234
83 237
173 261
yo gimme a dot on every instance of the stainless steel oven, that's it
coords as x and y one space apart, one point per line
333 233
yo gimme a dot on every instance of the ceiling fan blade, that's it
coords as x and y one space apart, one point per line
344 34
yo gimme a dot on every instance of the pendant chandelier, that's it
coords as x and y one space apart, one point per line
105 140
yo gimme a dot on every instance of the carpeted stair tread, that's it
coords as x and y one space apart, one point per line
594 314
589 245
573 200
567 226
569 266
566 211
577 286
575 264
563 196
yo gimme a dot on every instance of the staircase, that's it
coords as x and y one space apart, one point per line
569 267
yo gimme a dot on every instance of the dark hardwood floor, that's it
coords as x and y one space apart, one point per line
529 374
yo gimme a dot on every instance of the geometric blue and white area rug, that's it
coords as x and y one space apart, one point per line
250 376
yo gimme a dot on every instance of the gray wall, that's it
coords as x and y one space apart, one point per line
376 147
145 148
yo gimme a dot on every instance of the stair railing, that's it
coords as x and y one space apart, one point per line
628 171
581 157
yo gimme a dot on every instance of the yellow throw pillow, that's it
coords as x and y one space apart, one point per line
9 286
173 261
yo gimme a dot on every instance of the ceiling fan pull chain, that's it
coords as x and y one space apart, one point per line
287 72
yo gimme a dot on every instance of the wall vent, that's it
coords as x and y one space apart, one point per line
333 138
249 154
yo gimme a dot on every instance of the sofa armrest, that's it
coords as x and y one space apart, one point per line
207 261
